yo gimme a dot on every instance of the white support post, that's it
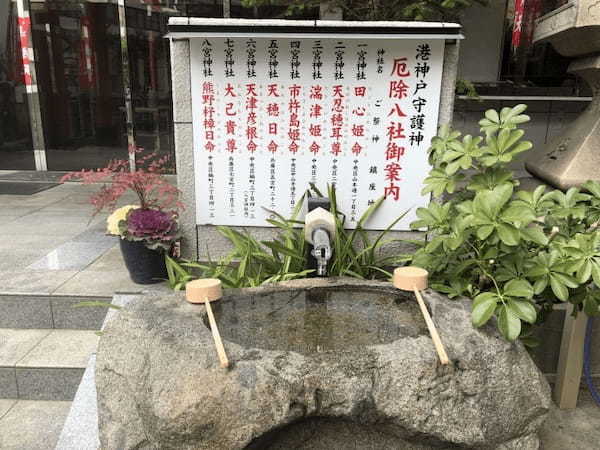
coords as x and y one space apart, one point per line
33 95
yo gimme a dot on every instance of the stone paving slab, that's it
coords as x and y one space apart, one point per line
576 429
8 383
24 226
34 241
5 406
42 311
71 256
33 282
33 425
20 258
25 312
16 344
66 315
47 383
61 349
98 282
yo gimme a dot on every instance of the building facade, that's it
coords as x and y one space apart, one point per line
83 81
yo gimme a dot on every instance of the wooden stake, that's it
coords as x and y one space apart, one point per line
216 335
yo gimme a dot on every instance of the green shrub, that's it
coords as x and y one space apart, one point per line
514 252
252 263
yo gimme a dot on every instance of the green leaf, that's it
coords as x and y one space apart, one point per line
518 288
523 310
591 306
483 308
509 324
534 234
508 234
518 214
567 280
559 289
585 272
596 273
540 285
484 231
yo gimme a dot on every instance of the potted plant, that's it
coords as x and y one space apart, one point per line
147 230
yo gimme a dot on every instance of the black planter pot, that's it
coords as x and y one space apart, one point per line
145 266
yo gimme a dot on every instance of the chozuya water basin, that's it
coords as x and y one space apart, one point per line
319 319
321 364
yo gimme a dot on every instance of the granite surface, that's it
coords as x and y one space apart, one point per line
154 353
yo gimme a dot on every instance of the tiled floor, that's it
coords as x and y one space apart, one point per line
52 244
31 424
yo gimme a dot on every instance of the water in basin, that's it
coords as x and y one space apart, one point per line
318 320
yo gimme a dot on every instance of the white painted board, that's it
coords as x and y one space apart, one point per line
271 116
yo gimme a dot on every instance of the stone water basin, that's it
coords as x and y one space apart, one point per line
318 320
319 364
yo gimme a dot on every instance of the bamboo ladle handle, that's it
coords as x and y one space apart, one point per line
412 278
206 290
435 337
216 336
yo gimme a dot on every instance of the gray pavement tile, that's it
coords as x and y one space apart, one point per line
66 315
15 344
8 383
97 233
112 260
95 282
37 200
7 210
48 383
71 256
19 258
5 405
33 242
33 425
62 349
7 218
25 226
33 282
25 312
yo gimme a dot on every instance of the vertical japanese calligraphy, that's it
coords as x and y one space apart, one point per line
271 116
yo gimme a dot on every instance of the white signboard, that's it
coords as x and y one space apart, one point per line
271 116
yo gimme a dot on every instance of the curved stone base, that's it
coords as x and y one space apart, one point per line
160 385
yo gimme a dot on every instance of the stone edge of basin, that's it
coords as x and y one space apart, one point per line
150 362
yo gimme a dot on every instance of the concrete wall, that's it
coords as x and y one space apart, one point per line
548 119
481 51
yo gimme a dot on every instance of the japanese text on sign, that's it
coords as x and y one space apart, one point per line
271 116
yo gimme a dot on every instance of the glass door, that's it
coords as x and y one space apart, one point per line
81 91
16 149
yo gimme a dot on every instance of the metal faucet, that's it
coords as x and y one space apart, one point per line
321 250
319 230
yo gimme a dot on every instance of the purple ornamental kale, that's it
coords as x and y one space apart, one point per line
149 223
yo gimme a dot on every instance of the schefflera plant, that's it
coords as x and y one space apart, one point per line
514 252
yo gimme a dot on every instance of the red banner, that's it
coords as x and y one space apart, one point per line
518 23
24 33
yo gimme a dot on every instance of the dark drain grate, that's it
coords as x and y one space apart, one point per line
23 188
